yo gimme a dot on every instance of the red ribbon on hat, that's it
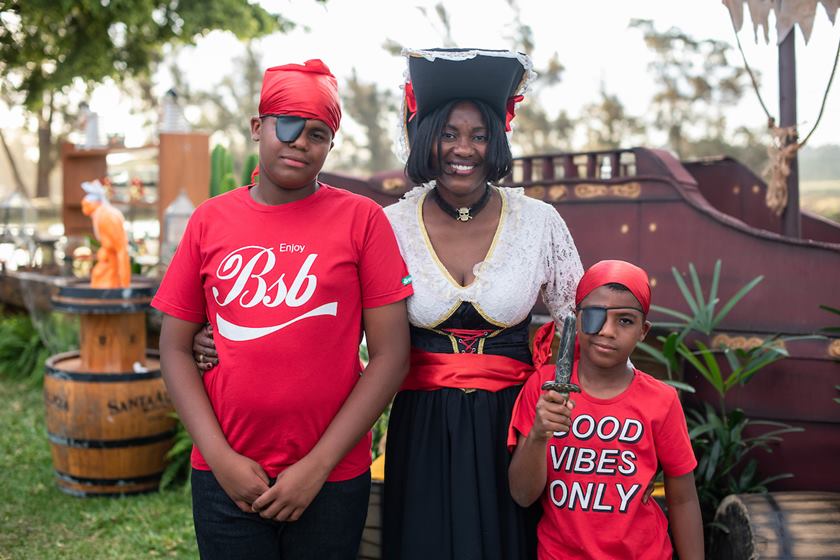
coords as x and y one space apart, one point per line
410 101
411 105
511 110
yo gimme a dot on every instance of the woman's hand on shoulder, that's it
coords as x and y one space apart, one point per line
204 349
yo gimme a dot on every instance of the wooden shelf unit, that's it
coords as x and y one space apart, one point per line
183 163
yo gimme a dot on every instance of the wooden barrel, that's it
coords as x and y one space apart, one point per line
112 333
784 525
79 297
108 432
371 546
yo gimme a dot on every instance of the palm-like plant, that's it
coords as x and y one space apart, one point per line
724 440
705 317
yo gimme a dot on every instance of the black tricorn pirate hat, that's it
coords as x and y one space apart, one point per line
436 76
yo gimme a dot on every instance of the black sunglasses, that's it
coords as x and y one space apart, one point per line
593 318
287 127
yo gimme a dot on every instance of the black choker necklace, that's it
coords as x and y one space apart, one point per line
465 213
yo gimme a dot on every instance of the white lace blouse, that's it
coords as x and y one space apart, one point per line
532 251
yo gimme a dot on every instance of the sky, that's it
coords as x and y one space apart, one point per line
592 38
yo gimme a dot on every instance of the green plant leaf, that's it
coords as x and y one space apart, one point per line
714 457
702 306
700 430
708 356
686 353
689 299
671 312
748 474
713 290
774 478
677 326
736 298
731 358
653 352
682 386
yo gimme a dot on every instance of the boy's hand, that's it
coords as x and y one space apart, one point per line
553 414
292 493
242 479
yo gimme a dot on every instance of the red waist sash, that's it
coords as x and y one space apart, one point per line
488 372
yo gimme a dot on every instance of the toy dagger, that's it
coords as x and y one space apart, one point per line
563 370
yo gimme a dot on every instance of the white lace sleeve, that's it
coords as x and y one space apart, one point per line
563 266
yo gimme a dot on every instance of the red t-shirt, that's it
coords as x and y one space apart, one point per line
284 287
592 505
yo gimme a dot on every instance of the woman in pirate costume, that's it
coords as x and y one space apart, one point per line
479 256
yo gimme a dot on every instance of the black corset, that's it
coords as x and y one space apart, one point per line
485 338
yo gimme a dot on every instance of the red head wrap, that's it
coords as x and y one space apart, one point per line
309 91
619 272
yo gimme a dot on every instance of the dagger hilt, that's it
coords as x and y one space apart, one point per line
560 387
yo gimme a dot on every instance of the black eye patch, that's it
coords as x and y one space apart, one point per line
592 318
286 127
289 128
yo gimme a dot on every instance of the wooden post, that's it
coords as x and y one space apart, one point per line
184 164
791 220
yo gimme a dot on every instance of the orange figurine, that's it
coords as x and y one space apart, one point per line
112 269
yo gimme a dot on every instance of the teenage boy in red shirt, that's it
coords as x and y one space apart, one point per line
591 459
288 271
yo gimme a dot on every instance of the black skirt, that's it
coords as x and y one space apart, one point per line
446 479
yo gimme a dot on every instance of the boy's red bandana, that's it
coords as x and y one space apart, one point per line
309 91
619 272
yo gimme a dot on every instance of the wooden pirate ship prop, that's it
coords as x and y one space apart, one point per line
646 207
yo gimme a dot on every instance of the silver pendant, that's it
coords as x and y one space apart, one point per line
464 215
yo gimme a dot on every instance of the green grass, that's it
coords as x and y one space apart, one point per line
40 522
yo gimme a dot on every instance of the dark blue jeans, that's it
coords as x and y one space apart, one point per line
330 528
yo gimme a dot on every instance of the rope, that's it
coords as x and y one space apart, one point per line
783 145
825 95
770 118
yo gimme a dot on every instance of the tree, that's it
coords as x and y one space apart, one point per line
229 105
696 84
372 108
536 130
609 126
49 46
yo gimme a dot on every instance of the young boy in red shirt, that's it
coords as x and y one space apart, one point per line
288 271
590 459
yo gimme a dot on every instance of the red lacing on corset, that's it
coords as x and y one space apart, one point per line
467 339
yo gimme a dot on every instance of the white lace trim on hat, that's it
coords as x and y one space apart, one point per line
401 147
